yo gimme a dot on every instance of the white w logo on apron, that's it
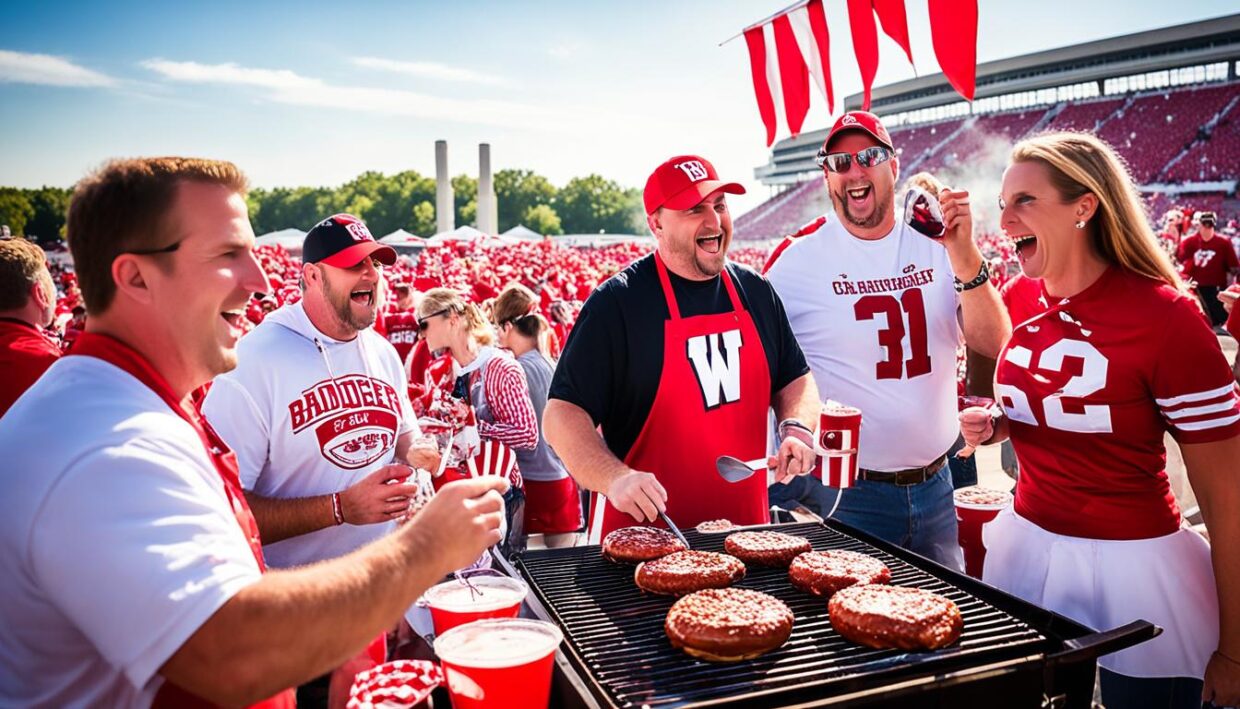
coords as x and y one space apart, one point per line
719 371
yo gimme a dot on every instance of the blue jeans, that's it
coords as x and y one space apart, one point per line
1124 692
920 518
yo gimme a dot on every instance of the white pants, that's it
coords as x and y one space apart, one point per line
1103 584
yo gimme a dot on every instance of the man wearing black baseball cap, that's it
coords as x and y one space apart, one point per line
318 411
879 310
678 359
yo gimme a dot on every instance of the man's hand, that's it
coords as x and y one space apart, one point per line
795 456
957 217
638 495
976 425
378 497
424 457
1222 685
462 520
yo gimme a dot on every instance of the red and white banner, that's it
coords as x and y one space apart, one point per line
788 48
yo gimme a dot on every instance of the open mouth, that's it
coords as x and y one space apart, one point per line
710 244
233 318
859 194
1026 246
363 297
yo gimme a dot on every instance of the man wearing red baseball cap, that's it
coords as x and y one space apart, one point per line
879 310
678 358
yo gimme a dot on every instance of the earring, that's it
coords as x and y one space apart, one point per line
1080 224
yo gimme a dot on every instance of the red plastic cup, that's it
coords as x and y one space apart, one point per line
452 603
839 428
503 662
975 506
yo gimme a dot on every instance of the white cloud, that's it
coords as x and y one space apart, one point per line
46 70
429 70
291 88
564 51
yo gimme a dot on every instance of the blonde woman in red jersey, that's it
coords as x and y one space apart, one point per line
1118 354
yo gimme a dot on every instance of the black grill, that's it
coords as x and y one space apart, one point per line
616 646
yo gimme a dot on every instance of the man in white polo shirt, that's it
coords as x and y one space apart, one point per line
130 564
879 310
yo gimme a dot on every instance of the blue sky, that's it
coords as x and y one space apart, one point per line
314 93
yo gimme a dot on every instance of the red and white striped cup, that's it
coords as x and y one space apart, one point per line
839 429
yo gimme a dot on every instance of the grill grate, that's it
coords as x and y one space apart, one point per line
617 631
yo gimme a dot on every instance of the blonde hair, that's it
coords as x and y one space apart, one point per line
1080 164
518 305
437 299
925 181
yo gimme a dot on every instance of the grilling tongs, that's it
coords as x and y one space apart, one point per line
675 530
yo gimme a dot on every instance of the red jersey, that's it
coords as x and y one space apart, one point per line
1089 387
1022 296
401 329
1207 261
25 354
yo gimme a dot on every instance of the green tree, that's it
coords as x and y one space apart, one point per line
592 204
15 209
423 223
516 191
465 199
542 219
50 206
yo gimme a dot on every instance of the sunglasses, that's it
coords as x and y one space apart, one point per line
839 162
422 322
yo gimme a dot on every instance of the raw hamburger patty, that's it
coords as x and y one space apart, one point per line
728 624
822 573
632 544
765 548
687 571
895 617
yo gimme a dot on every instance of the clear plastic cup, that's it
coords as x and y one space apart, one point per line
502 662
454 603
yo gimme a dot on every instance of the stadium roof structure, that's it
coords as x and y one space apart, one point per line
1205 42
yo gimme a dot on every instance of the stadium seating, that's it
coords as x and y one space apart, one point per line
1155 128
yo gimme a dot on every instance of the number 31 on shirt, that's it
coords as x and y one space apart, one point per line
910 308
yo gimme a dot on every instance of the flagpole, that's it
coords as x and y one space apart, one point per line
794 6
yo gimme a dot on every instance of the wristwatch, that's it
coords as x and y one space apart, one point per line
982 276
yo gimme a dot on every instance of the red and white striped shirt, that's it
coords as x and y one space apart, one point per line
1091 384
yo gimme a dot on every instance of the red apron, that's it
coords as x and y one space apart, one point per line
119 354
682 437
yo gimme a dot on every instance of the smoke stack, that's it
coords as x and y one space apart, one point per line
445 210
488 213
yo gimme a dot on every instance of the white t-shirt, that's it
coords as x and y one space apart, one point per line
877 322
305 422
117 540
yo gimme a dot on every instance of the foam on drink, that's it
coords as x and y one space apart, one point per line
493 593
498 643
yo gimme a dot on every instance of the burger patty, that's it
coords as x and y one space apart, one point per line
895 617
728 624
633 544
684 572
765 548
822 573
716 525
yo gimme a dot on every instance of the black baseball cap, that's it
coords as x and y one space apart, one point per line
342 240
1207 218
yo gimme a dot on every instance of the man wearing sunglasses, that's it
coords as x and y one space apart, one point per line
678 359
879 310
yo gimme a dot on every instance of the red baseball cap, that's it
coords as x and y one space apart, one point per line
342 240
863 121
683 181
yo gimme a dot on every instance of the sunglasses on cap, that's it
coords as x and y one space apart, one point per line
840 162
423 322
